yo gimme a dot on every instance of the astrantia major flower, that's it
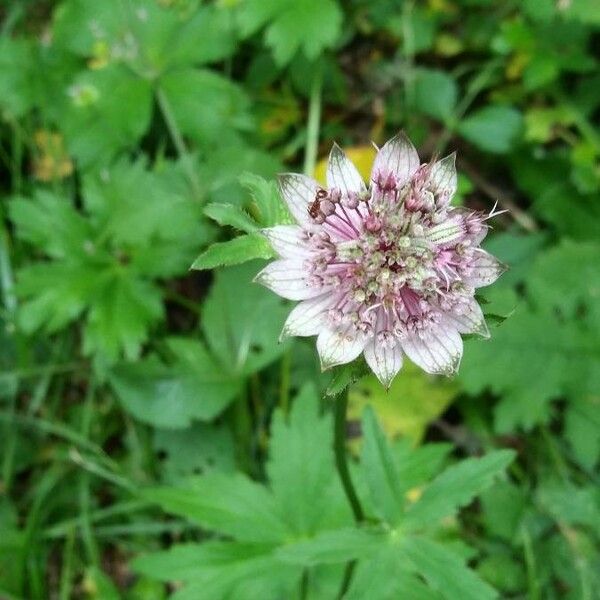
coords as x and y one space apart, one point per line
388 270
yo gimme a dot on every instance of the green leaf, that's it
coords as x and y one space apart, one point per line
220 570
233 252
582 420
292 25
50 223
268 206
444 571
380 470
495 129
417 465
301 468
234 216
557 301
331 547
567 278
53 295
503 507
213 450
17 70
242 321
435 93
230 504
191 386
345 375
456 487
384 577
110 111
120 318
205 105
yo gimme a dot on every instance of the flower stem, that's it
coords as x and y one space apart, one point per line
341 457
314 120
341 460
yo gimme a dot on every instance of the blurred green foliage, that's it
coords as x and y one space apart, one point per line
155 435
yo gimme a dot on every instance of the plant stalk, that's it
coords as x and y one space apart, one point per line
341 460
341 456
314 121
178 142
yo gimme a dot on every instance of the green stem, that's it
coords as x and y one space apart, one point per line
284 382
341 456
314 120
532 579
341 460
178 141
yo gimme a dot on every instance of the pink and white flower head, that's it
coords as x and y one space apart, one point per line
388 269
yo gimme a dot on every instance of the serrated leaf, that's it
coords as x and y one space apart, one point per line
191 386
456 487
380 471
301 468
233 252
384 576
556 304
268 204
120 318
230 504
110 110
234 216
216 569
444 571
330 547
242 321
291 25
205 104
346 375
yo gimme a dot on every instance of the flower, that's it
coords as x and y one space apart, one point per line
386 270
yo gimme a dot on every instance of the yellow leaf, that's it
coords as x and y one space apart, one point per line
361 156
414 400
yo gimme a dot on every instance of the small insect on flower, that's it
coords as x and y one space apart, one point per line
388 269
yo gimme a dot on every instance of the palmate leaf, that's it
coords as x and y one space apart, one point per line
380 470
292 25
230 504
307 490
172 394
303 497
456 487
242 321
385 576
556 329
110 111
444 571
218 569
205 105
300 520
333 547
